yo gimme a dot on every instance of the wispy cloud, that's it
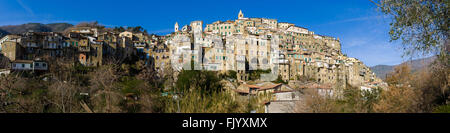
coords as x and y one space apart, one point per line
24 6
161 31
18 22
355 42
109 25
379 17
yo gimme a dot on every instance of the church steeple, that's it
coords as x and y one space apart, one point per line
176 27
241 15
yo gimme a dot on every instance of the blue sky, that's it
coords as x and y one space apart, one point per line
362 30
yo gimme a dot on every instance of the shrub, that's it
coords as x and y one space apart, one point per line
196 101
442 109
205 81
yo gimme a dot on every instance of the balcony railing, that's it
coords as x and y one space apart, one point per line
84 49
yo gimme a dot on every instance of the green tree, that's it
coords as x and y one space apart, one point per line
205 81
119 29
280 80
138 29
422 25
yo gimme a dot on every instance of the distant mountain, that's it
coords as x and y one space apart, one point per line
3 33
382 70
36 27
59 27
421 63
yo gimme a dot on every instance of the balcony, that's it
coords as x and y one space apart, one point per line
291 51
139 44
283 61
362 73
31 44
49 46
84 49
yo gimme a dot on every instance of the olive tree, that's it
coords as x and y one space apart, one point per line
422 25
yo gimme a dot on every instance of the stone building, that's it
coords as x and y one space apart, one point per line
12 49
247 44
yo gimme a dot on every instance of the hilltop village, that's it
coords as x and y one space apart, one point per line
246 44
277 50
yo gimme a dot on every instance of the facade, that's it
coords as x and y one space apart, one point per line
176 27
29 65
126 34
85 45
159 55
11 49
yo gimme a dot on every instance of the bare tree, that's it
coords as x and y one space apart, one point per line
62 94
102 83
4 62
14 97
9 85
314 102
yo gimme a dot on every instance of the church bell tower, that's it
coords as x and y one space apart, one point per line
176 27
241 15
